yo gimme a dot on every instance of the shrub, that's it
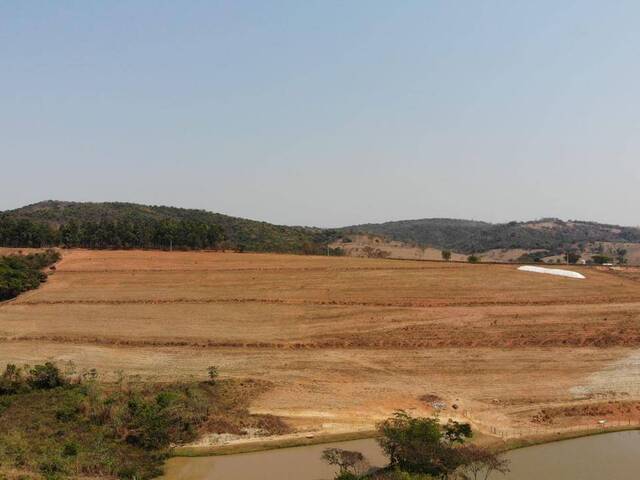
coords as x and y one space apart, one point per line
70 449
45 377
213 373
12 381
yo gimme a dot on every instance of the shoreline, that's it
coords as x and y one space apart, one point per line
293 442
262 445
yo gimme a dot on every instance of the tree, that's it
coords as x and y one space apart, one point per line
473 259
419 445
479 463
349 463
621 255
573 257
456 432
601 259
446 255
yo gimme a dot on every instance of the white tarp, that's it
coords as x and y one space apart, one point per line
551 271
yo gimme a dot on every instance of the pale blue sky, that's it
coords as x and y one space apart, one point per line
325 113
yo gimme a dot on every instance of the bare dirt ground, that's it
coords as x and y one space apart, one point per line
367 246
345 341
373 246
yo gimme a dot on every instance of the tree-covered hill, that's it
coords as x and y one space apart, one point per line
467 236
128 225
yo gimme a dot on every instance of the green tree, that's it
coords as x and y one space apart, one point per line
446 255
573 257
419 445
601 259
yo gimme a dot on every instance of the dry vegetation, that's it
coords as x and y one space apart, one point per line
345 341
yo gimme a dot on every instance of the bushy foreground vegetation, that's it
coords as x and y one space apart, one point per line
55 425
19 273
128 225
421 449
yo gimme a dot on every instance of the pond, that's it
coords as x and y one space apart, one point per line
611 456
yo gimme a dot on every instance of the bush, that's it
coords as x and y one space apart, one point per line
12 381
70 449
5 403
52 468
146 423
45 377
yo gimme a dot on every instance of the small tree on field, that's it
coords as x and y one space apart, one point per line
473 259
601 259
213 373
446 255
573 257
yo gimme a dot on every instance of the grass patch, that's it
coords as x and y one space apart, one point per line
57 427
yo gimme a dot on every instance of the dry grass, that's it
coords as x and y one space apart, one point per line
344 340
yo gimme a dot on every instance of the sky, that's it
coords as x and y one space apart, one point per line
325 113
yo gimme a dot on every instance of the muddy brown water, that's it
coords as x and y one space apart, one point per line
612 456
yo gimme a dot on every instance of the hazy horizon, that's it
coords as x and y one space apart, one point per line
325 114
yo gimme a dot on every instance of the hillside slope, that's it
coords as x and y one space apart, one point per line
467 236
129 225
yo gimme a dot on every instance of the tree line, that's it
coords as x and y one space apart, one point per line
19 273
112 234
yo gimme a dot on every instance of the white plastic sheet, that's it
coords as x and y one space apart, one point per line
552 271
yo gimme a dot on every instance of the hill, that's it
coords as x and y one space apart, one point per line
129 225
553 236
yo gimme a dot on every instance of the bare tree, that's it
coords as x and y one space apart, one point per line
478 463
347 461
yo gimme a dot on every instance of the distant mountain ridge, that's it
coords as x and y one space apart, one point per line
130 225
468 236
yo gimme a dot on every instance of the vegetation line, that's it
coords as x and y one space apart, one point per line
20 273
